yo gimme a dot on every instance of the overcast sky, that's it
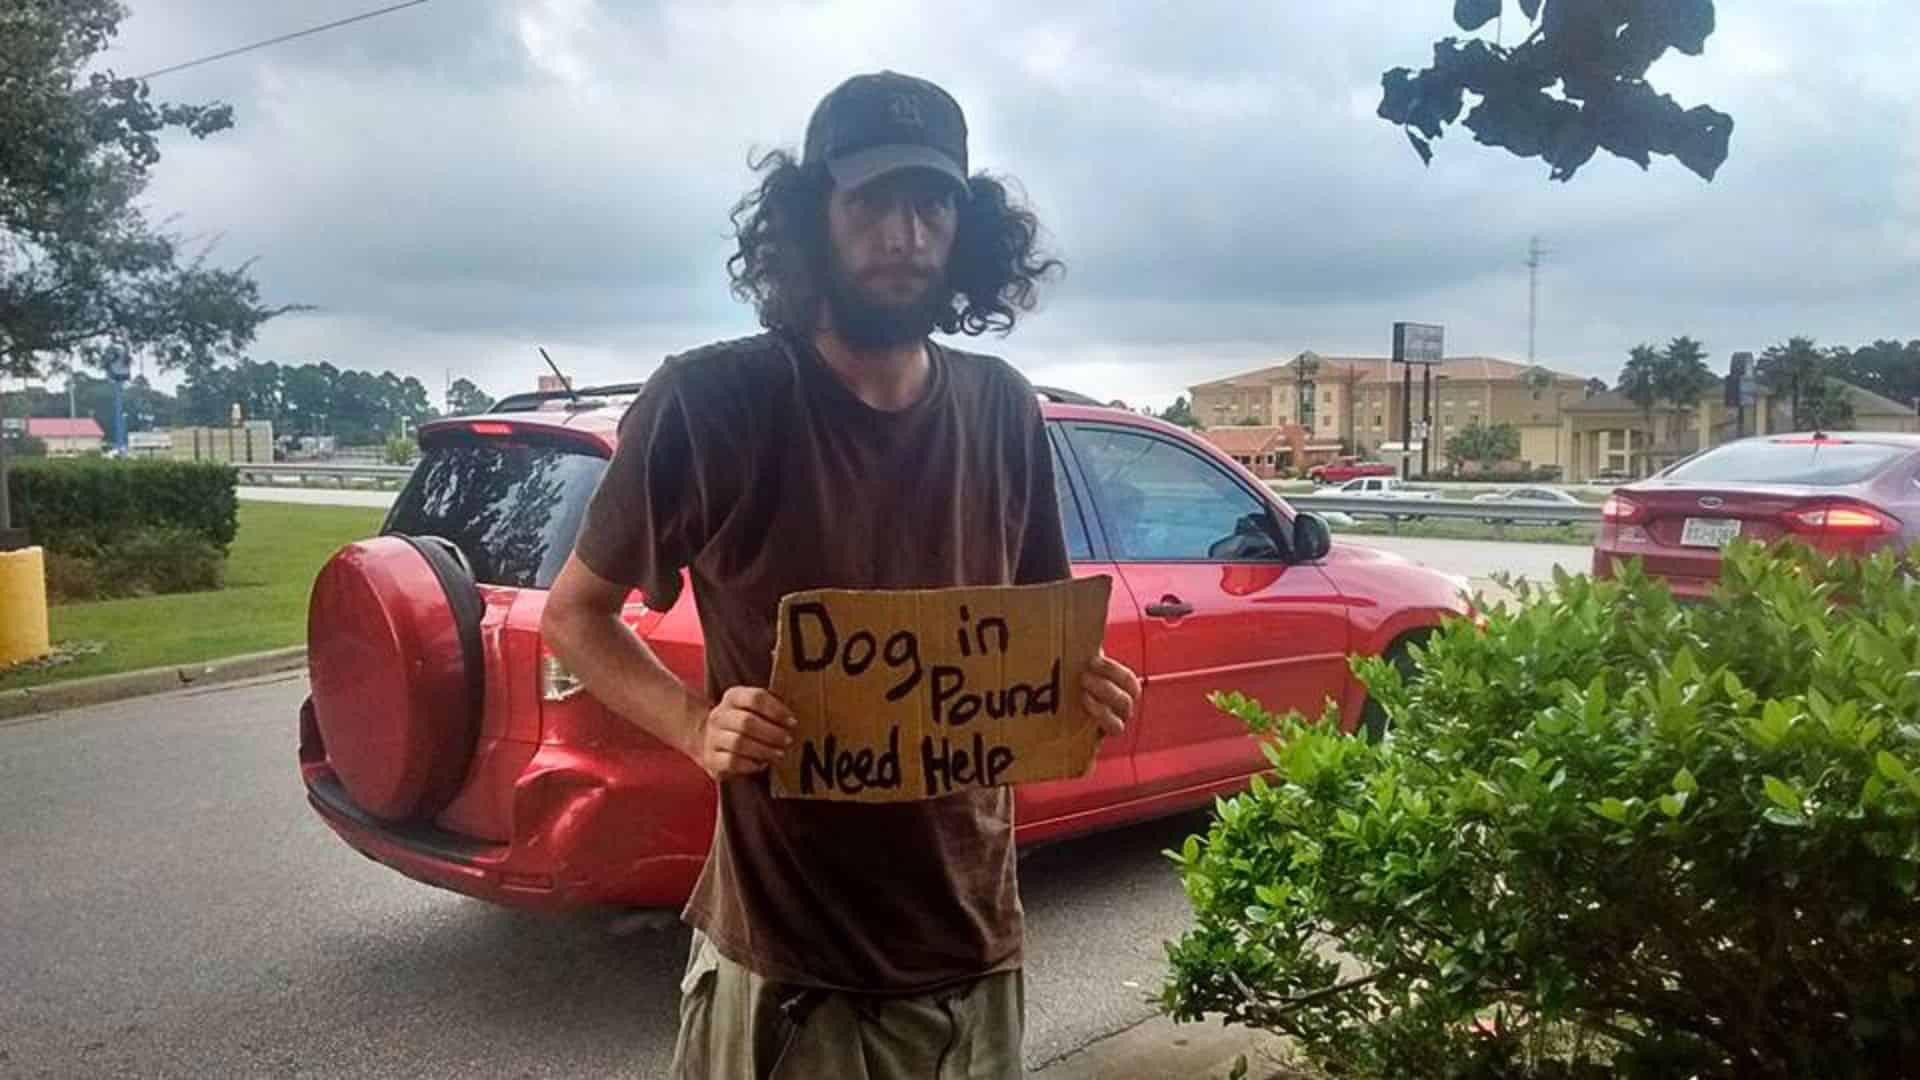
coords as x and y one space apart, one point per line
454 183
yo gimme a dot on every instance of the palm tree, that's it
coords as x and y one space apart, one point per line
1681 377
1795 368
1640 384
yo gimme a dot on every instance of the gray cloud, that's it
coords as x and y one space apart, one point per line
454 182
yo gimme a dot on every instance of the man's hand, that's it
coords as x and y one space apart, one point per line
1108 691
748 731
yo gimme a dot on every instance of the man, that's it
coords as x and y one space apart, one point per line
842 448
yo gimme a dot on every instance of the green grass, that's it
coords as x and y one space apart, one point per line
270 568
1461 529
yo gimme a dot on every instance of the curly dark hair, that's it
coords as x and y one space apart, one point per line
782 264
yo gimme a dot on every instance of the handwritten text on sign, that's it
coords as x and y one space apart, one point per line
914 694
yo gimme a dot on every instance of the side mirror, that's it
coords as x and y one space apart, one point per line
1312 539
1253 538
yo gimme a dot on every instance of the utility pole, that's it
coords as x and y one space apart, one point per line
1534 252
1406 420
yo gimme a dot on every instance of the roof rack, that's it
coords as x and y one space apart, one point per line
1067 397
533 399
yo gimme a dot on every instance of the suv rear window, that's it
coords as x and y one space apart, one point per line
1779 461
513 508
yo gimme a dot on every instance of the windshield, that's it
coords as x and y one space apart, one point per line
514 509
1815 464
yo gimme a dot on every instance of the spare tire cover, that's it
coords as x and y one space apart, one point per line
394 655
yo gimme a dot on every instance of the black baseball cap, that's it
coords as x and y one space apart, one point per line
875 124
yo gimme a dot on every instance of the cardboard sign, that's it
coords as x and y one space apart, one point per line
921 693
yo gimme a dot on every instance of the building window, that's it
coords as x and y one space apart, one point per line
1379 421
1327 398
1536 395
1536 418
1447 421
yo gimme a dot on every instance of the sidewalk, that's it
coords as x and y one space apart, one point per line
1159 1049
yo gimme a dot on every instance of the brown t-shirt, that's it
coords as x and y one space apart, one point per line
752 464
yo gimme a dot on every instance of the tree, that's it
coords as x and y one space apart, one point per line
1538 378
1596 386
1181 413
1640 384
1885 367
80 266
1792 370
147 409
1680 378
465 399
1484 446
1594 57
1824 405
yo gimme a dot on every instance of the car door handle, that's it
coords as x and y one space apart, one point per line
1170 607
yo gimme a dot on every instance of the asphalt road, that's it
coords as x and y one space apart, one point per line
171 907
1481 559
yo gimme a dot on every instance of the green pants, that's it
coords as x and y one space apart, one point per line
735 1025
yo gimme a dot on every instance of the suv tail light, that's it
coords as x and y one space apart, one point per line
1841 520
1621 510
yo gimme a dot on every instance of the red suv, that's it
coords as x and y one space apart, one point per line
1854 493
442 738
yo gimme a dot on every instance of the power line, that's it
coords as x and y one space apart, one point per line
283 37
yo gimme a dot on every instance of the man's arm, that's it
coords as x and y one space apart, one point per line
743 734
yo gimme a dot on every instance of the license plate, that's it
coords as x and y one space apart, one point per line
1710 532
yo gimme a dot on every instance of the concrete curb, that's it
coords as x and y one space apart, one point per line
1157 1048
37 700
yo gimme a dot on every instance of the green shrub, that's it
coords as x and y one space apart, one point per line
401 450
71 579
147 561
1609 835
83 506
164 560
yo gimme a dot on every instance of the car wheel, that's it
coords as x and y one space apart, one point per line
1374 722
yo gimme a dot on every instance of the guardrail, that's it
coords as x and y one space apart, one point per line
1499 514
322 474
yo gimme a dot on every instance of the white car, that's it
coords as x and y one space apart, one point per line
1533 496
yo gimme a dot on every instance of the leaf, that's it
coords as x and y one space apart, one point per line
1671 805
1891 767
1421 147
1530 8
1474 14
1782 794
1684 782
1784 817
1610 808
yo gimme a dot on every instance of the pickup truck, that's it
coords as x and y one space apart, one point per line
1345 469
1384 488
1377 487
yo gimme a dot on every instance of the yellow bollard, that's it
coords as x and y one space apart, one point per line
23 606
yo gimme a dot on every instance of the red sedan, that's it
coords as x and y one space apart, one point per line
443 740
1855 493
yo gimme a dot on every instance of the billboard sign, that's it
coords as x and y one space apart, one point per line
1418 343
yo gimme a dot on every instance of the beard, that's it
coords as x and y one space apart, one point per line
865 321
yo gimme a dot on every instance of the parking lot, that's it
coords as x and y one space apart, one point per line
175 910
